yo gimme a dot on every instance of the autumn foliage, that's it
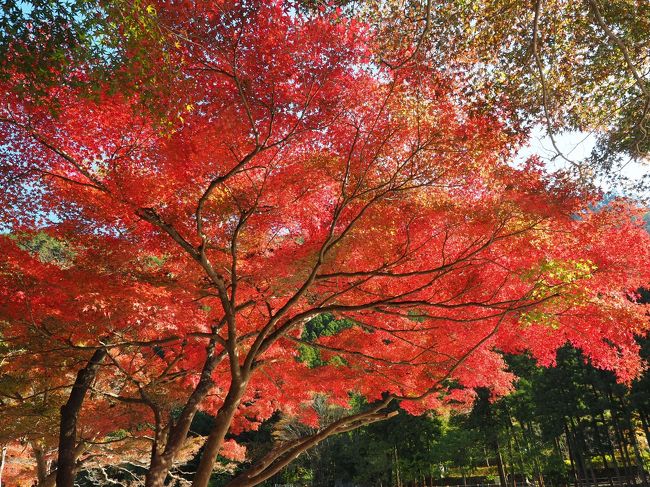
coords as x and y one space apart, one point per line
282 173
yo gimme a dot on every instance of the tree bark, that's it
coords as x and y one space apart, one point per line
639 458
578 431
632 434
274 461
67 459
572 455
621 439
3 456
158 470
217 435
163 455
612 448
41 463
644 423
49 481
601 449
518 448
528 435
502 472
397 472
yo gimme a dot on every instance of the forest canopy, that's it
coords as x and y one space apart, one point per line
239 210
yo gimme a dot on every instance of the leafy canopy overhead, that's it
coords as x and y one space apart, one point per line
292 176
567 66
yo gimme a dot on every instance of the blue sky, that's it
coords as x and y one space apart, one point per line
576 146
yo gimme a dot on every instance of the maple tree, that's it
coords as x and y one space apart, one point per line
282 172
62 326
567 66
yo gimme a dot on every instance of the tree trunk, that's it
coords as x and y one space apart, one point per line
623 448
217 435
397 472
66 463
635 444
601 449
584 449
639 457
644 423
502 472
623 443
157 473
572 456
278 458
518 447
616 412
41 463
528 434
612 448
3 456
165 450
48 481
